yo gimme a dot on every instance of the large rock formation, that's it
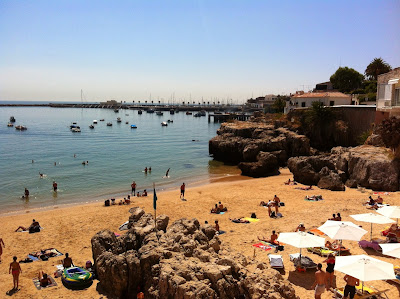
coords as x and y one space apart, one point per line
185 260
366 166
254 144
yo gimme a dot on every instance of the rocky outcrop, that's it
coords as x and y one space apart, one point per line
185 260
252 144
366 166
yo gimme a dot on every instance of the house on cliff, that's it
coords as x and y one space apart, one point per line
262 102
305 100
388 95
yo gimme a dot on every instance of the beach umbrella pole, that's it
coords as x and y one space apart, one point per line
371 232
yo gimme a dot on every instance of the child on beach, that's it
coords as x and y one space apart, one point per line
216 226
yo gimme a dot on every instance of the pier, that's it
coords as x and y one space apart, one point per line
220 118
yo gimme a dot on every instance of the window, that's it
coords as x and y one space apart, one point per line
331 103
303 104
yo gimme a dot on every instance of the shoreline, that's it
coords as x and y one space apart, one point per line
119 196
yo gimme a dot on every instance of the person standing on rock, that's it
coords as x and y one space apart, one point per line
183 191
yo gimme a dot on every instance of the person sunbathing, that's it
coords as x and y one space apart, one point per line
35 226
239 220
338 217
272 239
43 279
215 210
300 228
263 204
379 200
371 201
335 245
221 207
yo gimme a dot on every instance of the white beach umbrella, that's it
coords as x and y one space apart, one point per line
390 211
372 218
364 267
342 230
392 249
301 240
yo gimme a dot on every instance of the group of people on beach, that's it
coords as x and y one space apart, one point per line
274 203
219 208
374 203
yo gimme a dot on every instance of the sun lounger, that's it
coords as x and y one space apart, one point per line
276 261
36 282
321 251
305 262
370 244
368 293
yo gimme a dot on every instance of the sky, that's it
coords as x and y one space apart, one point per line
186 50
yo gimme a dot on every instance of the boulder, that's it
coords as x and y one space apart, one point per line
184 260
266 165
330 180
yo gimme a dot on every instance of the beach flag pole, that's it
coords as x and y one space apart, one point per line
155 203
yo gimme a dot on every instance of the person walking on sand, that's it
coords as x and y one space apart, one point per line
183 190
133 186
15 270
319 284
350 288
1 247
55 186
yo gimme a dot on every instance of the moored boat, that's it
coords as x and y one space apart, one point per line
109 124
102 119
188 113
150 111
119 119
170 121
76 277
159 113
12 119
116 110
95 121
91 127
197 114
139 112
172 111
133 127
127 122
76 130
21 128
10 125
164 124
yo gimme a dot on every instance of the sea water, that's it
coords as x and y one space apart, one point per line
116 155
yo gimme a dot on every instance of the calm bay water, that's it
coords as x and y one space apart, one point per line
117 155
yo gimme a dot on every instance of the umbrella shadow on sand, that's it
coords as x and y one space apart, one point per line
302 279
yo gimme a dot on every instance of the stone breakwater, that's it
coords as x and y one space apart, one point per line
183 260
258 148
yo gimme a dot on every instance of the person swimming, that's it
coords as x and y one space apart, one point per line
166 174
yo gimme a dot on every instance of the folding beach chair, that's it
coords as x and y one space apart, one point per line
276 261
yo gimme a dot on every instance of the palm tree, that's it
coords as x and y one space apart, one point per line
376 67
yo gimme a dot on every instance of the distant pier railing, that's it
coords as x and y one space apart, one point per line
224 117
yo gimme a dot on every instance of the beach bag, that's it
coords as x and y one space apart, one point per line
281 248
282 204
107 202
272 214
253 215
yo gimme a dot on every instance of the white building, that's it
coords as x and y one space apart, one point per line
388 94
304 100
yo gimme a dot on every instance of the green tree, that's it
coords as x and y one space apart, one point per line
376 67
280 104
346 79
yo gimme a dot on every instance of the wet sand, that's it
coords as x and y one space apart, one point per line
69 229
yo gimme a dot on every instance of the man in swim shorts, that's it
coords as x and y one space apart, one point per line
55 186
350 288
133 186
319 284
15 270
183 190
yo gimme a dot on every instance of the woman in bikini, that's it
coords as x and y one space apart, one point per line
15 269
330 266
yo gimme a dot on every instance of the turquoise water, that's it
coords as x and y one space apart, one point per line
117 155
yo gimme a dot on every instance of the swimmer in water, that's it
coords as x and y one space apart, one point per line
41 175
166 174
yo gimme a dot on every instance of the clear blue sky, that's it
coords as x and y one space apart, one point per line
125 50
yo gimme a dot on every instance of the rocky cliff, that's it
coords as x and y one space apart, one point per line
184 260
366 166
257 147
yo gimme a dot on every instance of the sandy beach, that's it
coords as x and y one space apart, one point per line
69 229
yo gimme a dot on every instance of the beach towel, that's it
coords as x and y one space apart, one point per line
44 254
27 231
316 231
262 246
220 213
276 261
321 251
313 198
36 282
251 219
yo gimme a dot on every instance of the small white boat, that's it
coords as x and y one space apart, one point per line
95 121
76 130
164 124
